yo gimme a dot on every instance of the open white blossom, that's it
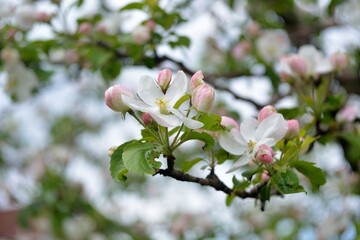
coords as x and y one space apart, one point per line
272 44
160 105
251 135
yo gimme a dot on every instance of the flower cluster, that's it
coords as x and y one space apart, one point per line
254 139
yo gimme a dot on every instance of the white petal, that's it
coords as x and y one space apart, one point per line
229 141
149 91
243 160
177 88
323 66
188 122
274 126
248 128
136 104
165 120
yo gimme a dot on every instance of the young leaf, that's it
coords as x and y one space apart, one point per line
229 199
287 182
117 168
140 158
221 155
314 174
187 165
181 101
249 173
211 122
201 136
239 185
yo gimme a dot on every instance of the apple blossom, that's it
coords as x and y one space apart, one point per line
293 129
266 112
25 16
163 79
161 105
264 154
113 98
196 80
85 28
253 28
252 134
241 49
141 34
347 114
203 97
147 119
339 60
229 123
272 44
297 65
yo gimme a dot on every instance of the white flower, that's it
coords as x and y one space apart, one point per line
161 105
251 136
25 16
272 44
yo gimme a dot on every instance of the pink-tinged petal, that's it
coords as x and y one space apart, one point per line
149 91
177 88
232 143
165 120
248 129
243 160
274 126
136 104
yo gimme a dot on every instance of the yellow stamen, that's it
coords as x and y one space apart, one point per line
163 105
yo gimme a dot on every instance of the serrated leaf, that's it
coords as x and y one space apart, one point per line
314 174
287 182
201 136
187 165
117 169
211 122
137 157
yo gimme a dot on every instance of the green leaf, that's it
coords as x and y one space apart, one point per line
111 69
140 157
211 122
265 193
201 136
314 174
187 165
250 173
181 101
221 155
290 113
133 6
117 168
287 182
147 136
239 185
229 199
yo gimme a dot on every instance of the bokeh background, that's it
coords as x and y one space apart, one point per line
58 58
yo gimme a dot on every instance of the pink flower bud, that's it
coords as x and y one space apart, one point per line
297 65
253 28
203 97
293 129
141 34
85 28
264 154
265 176
339 60
347 114
163 79
196 80
113 98
241 49
43 17
151 24
265 112
147 119
229 123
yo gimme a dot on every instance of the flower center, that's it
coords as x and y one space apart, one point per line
251 145
163 105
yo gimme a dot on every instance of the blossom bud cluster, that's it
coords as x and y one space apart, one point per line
202 95
310 63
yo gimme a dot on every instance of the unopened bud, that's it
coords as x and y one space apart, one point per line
203 97
196 80
264 154
241 49
112 150
347 114
147 119
113 98
253 28
163 79
339 60
141 34
85 28
293 129
229 123
265 112
298 65
43 17
151 24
